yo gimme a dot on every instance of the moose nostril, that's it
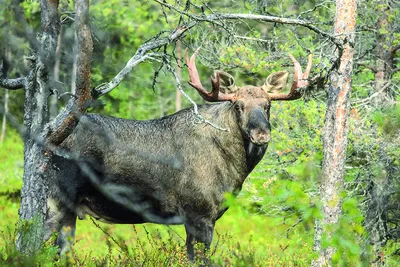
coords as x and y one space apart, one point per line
265 137
259 136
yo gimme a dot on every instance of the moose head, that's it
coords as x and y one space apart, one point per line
250 103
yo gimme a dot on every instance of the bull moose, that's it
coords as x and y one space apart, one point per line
172 170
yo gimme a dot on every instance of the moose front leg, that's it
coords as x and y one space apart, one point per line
201 231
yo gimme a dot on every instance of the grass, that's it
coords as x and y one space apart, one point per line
239 241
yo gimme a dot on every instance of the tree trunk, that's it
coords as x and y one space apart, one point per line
4 122
380 188
4 125
74 58
384 61
54 96
37 167
336 129
34 190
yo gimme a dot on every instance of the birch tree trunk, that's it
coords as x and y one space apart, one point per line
336 129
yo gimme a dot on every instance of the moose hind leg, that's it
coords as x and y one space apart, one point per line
198 231
53 217
66 232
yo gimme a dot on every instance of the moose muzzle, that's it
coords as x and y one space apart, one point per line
259 129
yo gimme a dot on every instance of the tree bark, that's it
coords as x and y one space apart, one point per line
36 115
82 82
379 190
34 189
56 73
74 58
384 65
381 65
336 129
178 98
4 122
4 125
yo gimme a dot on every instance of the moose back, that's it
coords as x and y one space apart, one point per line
172 170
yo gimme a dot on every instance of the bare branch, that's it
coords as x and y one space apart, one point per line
223 16
10 84
139 57
253 39
366 65
105 88
366 100
314 8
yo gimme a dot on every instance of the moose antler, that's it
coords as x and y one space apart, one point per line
215 95
299 80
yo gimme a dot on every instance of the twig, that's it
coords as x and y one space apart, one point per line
253 39
362 101
108 235
66 93
314 8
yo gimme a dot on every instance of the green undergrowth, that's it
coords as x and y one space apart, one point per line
240 239
256 243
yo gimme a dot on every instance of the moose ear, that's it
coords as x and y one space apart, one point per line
226 82
276 82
